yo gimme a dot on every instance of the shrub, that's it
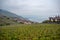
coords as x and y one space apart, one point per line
7 23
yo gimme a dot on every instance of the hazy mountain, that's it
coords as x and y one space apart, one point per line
36 18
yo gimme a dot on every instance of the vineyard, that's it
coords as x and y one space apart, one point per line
30 32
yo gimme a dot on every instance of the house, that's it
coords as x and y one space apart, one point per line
55 19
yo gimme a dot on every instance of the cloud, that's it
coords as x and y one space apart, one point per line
31 7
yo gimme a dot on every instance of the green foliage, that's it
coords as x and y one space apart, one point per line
30 32
7 23
1 24
46 21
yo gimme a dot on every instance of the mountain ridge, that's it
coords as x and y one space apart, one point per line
12 18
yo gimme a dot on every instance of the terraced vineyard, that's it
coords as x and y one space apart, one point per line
30 32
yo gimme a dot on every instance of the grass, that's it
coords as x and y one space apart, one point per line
30 32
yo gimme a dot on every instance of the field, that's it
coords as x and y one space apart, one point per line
30 32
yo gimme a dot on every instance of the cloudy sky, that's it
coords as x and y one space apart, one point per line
28 8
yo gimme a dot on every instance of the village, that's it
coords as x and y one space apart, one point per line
55 19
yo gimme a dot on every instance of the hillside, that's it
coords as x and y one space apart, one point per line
7 17
4 20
